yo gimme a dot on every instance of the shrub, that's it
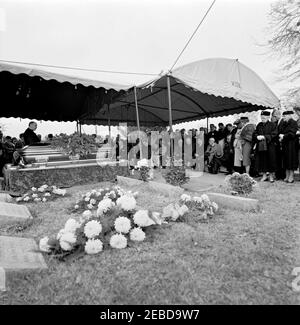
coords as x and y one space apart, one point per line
176 176
144 173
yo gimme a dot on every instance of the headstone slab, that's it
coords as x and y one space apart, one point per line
127 181
191 173
161 188
10 212
234 202
17 254
166 189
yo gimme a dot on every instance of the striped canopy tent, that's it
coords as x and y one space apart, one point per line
206 88
27 92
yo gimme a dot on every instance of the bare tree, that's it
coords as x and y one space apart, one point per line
284 28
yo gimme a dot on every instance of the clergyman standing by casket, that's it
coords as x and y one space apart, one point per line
30 137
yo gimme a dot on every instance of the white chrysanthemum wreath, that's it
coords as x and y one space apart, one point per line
115 222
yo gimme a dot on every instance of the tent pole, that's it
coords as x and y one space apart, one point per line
138 121
109 126
170 119
207 123
170 104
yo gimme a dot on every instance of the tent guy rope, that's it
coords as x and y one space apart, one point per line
80 69
195 31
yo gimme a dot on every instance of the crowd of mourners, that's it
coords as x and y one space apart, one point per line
270 148
11 147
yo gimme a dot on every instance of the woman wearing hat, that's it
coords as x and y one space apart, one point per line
289 142
247 137
237 145
265 137
297 111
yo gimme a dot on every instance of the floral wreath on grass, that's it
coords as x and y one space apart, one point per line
240 183
200 209
92 199
42 194
118 223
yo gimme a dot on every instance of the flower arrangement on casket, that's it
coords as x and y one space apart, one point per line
114 225
240 183
200 208
43 194
75 144
91 200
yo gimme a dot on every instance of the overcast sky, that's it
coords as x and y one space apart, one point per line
130 35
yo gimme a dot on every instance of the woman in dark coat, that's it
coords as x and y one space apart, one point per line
265 137
289 142
297 111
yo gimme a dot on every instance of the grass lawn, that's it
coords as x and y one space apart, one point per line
236 258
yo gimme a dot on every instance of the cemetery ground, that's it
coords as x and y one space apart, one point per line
235 258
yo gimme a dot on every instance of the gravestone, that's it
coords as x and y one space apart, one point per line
17 254
159 187
204 183
127 181
10 213
192 173
166 189
234 202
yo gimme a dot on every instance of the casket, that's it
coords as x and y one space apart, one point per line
42 152
46 165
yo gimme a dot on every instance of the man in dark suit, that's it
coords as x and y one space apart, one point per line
213 133
29 135
221 132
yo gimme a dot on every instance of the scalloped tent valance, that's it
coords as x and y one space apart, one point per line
206 88
32 93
